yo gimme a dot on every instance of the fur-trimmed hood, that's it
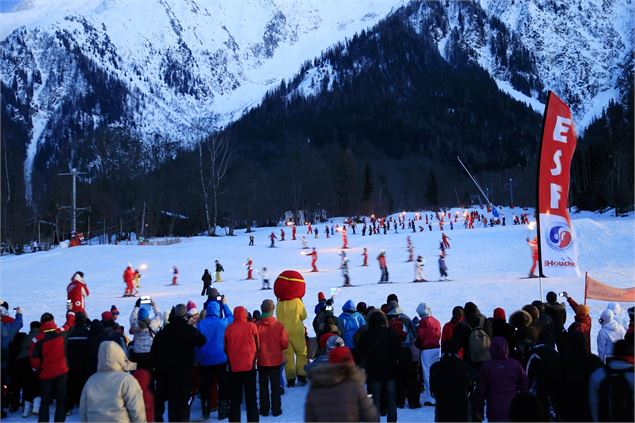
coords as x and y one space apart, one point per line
333 374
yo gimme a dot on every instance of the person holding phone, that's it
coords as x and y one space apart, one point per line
144 328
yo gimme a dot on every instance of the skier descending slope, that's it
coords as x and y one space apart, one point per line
250 268
314 257
365 255
419 269
443 268
128 278
344 267
381 258
533 245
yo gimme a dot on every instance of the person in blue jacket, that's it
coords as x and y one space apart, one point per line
212 357
351 321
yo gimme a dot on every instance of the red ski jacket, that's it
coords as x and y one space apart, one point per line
274 339
428 333
48 350
241 342
77 290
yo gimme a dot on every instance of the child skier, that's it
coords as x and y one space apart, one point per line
446 240
365 255
219 270
410 248
443 269
265 278
250 268
419 269
305 245
314 257
381 258
175 275
347 279
273 238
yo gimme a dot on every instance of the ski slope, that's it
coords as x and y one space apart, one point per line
485 266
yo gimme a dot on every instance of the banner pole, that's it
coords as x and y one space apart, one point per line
586 275
537 211
540 278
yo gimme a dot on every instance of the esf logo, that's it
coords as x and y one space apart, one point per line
559 236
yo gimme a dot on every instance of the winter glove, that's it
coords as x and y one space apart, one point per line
138 303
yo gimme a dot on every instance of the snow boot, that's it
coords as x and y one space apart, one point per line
223 409
290 383
301 380
37 401
28 409
204 409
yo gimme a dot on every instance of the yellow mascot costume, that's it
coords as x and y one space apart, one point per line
289 288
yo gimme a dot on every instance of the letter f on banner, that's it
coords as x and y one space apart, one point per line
557 243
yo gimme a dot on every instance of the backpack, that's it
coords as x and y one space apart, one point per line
396 325
615 398
479 343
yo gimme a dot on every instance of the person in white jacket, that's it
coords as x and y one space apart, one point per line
144 328
618 315
112 394
609 334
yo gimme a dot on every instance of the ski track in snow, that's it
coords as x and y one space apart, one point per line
484 264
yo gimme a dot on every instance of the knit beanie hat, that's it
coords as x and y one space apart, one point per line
340 355
582 310
180 310
143 314
106 315
423 310
114 311
321 296
499 314
324 339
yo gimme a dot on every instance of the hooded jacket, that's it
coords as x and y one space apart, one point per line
112 394
213 328
141 330
337 394
48 351
241 342
581 324
610 333
502 378
429 330
351 321
274 339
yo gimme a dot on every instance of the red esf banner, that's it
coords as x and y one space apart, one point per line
557 241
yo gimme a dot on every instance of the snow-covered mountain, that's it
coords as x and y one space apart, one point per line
170 71
162 69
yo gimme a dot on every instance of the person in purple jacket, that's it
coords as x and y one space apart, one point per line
502 378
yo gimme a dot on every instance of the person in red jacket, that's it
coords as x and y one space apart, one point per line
428 337
282 234
582 322
128 278
77 291
250 268
144 377
365 255
314 257
241 345
274 339
293 231
381 258
344 238
533 245
47 354
448 328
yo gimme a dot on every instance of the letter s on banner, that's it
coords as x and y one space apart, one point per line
557 241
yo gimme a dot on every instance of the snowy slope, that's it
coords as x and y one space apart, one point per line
484 264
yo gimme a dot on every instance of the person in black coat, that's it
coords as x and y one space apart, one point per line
207 282
173 353
461 336
500 327
451 384
542 371
558 313
378 351
78 355
572 381
545 324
